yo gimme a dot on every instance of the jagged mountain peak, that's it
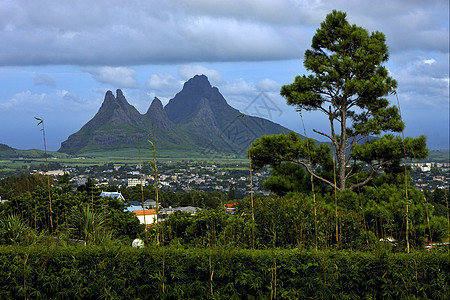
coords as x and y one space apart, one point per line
117 108
119 94
192 97
198 119
111 100
197 83
156 105
157 115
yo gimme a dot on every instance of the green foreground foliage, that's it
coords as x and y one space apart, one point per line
358 220
170 273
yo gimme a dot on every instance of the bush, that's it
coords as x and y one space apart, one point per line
122 272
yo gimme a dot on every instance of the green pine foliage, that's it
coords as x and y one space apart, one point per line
348 84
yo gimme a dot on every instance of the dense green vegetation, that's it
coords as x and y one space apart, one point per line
297 219
28 208
209 254
174 273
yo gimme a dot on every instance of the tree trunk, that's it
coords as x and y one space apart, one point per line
341 151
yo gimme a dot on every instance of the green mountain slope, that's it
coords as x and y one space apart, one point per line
214 125
197 120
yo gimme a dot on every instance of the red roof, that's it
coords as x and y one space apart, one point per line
148 212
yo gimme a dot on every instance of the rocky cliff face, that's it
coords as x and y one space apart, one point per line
214 125
117 124
197 119
197 93
158 116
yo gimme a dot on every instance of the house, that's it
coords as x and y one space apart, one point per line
112 195
56 173
150 204
146 216
136 181
230 208
187 209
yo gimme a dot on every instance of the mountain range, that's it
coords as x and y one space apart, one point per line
198 119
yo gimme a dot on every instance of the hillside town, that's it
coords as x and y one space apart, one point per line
176 176
190 175
429 176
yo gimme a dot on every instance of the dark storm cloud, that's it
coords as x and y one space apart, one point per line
111 33
120 33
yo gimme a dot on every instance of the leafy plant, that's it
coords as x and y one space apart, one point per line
88 225
41 122
13 230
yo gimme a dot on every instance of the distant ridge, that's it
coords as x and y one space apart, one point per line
198 119
7 152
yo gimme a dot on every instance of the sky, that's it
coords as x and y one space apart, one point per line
58 59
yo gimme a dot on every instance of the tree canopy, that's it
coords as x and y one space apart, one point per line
349 85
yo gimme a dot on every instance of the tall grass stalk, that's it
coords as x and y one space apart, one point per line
156 186
41 122
251 198
251 181
426 210
142 195
156 182
448 219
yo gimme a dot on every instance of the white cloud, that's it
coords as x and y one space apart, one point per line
423 82
144 32
161 81
164 86
59 100
188 71
23 101
239 87
69 96
268 85
120 77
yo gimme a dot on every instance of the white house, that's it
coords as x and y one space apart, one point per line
112 195
136 181
146 216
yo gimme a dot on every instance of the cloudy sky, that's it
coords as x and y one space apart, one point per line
58 58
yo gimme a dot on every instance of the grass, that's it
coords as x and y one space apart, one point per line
31 159
14 166
439 155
